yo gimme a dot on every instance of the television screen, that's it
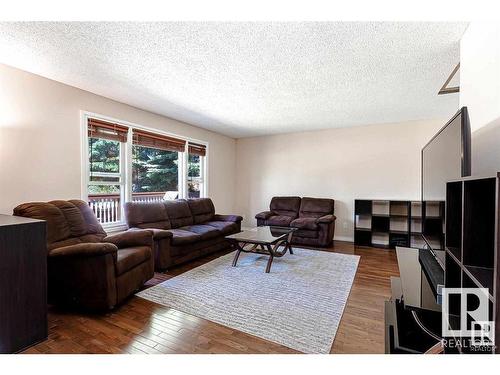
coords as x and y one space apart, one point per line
445 158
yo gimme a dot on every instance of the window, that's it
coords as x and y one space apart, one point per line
128 163
106 183
196 170
155 165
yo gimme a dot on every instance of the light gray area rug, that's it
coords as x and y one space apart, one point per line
298 304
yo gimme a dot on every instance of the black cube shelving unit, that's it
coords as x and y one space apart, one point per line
381 223
389 223
471 246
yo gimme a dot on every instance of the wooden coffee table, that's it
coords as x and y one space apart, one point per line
266 240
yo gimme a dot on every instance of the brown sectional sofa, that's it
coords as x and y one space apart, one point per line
182 229
86 267
313 217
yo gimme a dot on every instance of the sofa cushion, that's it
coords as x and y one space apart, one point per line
205 231
147 215
183 237
179 213
73 216
285 206
93 225
131 257
316 207
280 221
57 226
226 227
305 233
305 223
202 209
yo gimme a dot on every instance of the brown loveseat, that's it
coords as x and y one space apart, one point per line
182 229
313 217
87 268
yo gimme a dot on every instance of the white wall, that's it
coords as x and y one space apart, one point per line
480 73
40 140
377 161
480 92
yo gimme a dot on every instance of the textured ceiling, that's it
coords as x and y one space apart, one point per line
246 79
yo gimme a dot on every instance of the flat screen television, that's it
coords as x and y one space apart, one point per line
447 156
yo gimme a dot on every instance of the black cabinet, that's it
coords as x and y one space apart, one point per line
23 283
472 238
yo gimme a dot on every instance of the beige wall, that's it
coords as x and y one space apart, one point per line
480 73
378 161
480 92
40 144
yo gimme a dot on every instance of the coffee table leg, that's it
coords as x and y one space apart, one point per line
270 260
237 255
289 242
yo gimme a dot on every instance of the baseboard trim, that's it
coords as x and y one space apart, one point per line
343 238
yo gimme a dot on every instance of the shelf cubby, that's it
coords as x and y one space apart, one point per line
362 207
380 239
363 221
453 279
381 208
472 223
416 241
363 237
398 208
416 225
398 224
416 209
454 218
380 224
479 222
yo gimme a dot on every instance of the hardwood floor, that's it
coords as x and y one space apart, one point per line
140 326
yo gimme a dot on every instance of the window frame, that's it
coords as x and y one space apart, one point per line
126 164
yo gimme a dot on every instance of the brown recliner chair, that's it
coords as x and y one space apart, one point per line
87 268
313 217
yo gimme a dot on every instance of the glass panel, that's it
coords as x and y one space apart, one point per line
105 201
194 166
104 189
195 184
194 188
104 156
154 171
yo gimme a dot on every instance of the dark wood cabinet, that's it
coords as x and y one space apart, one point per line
23 283
472 240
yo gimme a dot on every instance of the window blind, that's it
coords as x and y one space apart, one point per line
106 130
197 149
158 141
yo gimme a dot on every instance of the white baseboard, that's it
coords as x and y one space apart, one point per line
344 238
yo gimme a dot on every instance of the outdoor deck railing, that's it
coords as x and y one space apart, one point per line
107 206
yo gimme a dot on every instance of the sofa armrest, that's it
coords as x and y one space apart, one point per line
326 219
131 238
264 215
158 234
232 218
84 250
